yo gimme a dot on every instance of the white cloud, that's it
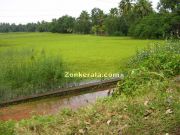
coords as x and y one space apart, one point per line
23 11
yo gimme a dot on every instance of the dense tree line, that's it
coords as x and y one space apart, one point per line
132 17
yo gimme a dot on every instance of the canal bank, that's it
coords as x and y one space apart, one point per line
52 102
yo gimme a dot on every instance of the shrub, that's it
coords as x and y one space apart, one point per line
159 58
157 62
137 78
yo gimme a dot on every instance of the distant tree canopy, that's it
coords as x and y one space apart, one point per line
83 23
169 5
131 18
64 24
115 24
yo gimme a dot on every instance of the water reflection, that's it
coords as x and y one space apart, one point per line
49 105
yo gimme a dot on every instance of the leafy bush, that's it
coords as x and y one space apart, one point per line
159 58
154 63
136 78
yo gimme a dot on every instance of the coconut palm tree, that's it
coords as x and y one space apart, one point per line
114 12
125 6
143 8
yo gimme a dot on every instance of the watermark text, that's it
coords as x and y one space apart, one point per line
92 75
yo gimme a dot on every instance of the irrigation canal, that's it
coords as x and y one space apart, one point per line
52 103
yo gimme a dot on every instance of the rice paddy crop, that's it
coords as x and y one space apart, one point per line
33 63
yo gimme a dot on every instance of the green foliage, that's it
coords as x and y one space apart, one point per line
83 23
28 72
98 17
160 58
85 53
43 26
64 24
125 7
156 26
66 112
151 27
155 63
172 5
142 8
37 122
136 78
116 25
7 128
134 18
148 104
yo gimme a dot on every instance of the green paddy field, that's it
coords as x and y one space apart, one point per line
32 63
84 53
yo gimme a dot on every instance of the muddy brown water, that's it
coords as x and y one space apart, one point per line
50 105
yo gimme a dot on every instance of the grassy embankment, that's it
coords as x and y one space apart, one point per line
145 102
35 62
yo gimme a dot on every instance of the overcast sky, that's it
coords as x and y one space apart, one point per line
24 11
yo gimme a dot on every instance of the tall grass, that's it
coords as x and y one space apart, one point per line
25 72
